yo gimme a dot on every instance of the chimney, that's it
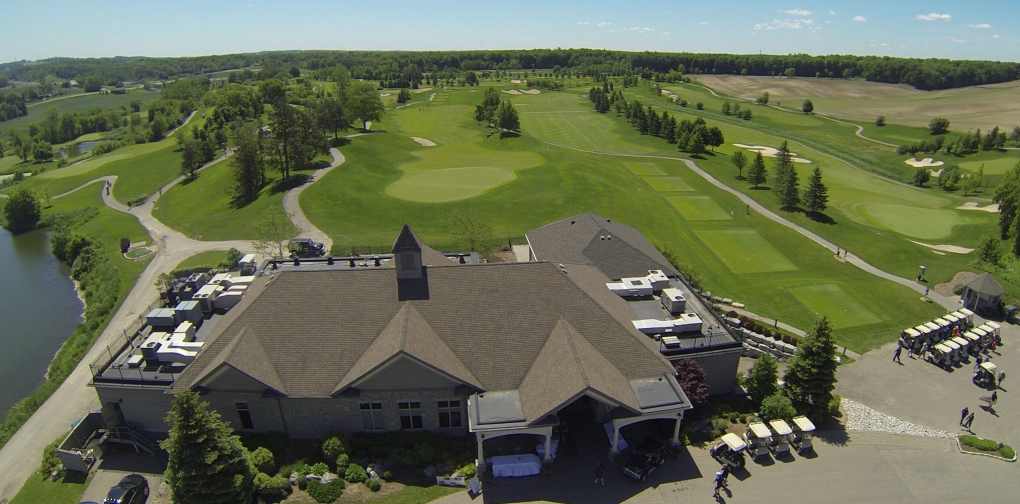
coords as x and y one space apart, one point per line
407 254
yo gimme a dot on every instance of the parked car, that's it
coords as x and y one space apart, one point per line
646 458
305 247
132 489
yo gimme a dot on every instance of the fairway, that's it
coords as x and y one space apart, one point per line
831 301
448 184
643 169
911 221
698 208
667 184
744 251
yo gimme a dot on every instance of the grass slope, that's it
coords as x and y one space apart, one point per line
37 111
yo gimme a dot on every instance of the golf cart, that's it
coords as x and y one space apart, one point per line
941 355
964 344
954 350
781 441
758 438
911 338
730 450
305 247
646 458
985 374
803 429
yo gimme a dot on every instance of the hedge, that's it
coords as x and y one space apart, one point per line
987 445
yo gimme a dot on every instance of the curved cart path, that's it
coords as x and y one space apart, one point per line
950 304
292 206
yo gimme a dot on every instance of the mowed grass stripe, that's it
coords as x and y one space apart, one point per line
698 208
830 300
744 250
667 184
644 169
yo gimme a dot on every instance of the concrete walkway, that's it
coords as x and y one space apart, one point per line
292 206
948 303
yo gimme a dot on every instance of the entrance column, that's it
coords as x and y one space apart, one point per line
676 430
616 437
548 446
481 452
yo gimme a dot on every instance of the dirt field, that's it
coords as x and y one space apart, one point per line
971 107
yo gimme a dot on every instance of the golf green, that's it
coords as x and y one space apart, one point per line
667 184
698 208
448 184
831 301
924 223
642 169
744 250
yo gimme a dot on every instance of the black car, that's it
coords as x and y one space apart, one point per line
646 458
305 247
132 489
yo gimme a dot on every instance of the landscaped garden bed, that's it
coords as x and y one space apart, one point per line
974 444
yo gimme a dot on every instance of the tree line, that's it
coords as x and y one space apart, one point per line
497 112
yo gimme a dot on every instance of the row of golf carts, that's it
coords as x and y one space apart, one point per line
760 440
951 338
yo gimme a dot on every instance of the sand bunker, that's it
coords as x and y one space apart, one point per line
512 91
972 205
935 173
924 163
384 94
422 90
946 248
532 91
515 81
425 142
771 152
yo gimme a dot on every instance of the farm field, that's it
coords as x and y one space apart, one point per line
973 107
746 257
38 110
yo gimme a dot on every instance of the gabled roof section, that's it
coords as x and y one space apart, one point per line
616 249
409 334
566 367
985 284
407 241
246 354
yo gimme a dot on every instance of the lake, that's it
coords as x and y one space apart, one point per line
77 149
38 311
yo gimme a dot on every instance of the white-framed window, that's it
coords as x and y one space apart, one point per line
245 416
449 414
372 416
410 415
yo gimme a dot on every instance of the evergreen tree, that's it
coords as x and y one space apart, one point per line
786 187
811 373
740 161
757 174
816 194
989 250
207 464
248 165
762 380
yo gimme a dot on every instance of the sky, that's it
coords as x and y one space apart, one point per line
978 29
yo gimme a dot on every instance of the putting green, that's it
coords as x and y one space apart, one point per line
667 184
642 169
744 250
698 208
924 223
448 184
831 301
997 166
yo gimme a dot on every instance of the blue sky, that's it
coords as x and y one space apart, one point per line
980 29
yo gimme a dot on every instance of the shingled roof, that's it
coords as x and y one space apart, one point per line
615 249
505 326
985 284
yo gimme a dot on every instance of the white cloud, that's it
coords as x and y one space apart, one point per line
798 12
809 21
860 19
665 33
995 36
980 26
603 24
582 23
832 12
703 23
933 17
783 24
956 40
639 29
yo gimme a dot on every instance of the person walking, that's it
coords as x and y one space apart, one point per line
896 354
963 414
600 471
718 483
1002 376
970 420
725 475
994 399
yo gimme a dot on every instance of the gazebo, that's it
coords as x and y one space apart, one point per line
982 293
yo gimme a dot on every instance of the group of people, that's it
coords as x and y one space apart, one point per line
721 477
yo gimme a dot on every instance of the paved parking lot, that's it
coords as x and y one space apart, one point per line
119 463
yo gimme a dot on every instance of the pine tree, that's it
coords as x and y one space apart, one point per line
811 373
757 174
207 464
989 251
786 186
762 380
816 194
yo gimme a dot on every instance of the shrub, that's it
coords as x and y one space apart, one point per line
234 255
302 481
406 457
271 486
834 405
776 336
426 452
262 459
342 461
794 341
50 461
469 470
719 426
731 314
777 406
1007 451
326 493
125 244
319 469
958 289
387 475
373 485
768 333
355 474
786 339
332 447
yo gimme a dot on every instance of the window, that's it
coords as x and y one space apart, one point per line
449 414
410 415
245 414
371 416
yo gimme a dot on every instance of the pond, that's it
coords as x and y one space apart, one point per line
77 149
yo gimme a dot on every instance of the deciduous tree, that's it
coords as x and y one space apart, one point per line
880 121
921 177
248 162
365 104
989 249
191 158
811 373
506 117
740 161
691 377
472 229
938 126
807 107
273 229
22 210
763 99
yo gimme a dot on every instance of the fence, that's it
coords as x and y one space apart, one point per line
132 337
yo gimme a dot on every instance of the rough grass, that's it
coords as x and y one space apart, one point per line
831 301
211 258
744 251
39 490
